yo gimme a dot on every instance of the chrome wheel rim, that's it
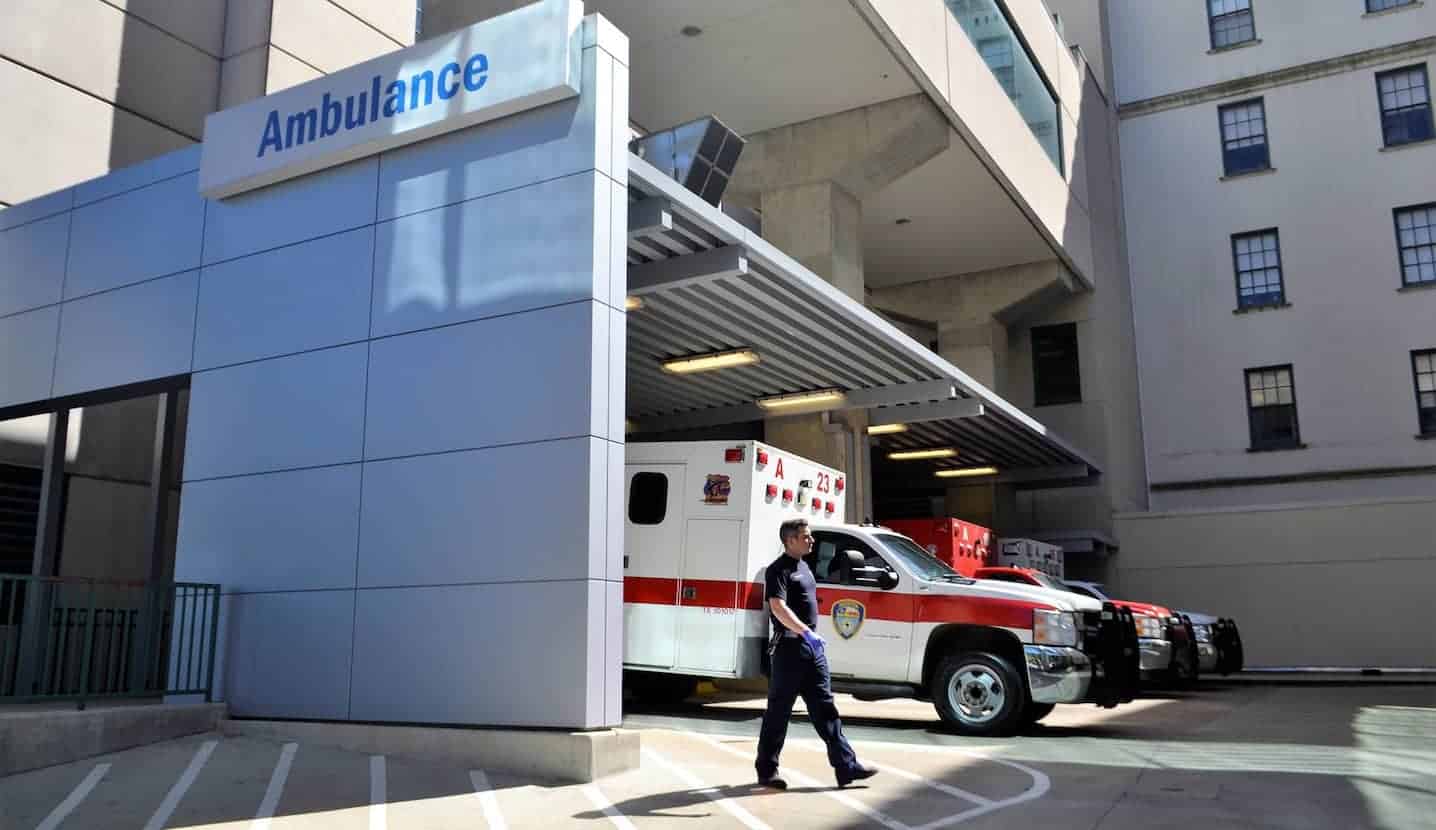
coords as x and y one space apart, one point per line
976 694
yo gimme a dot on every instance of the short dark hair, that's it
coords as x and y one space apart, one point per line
791 528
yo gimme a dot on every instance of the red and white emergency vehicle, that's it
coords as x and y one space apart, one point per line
702 525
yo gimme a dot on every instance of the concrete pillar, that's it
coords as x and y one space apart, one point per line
809 180
978 348
820 225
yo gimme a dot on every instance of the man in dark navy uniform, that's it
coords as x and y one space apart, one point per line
800 665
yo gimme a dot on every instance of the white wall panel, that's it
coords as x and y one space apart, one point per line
456 654
546 143
141 234
287 655
37 208
517 250
136 176
290 531
524 377
338 199
500 515
137 333
32 264
301 411
27 355
308 296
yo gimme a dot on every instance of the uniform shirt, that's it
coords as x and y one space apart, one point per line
791 580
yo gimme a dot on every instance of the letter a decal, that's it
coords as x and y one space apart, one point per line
272 136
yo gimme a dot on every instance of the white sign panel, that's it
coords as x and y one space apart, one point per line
517 61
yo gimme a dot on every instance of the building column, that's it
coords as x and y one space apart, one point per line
40 596
978 348
809 181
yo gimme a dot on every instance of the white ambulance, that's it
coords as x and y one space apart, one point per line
702 525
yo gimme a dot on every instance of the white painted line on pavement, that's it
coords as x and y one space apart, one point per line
803 780
66 807
275 789
956 792
713 794
488 802
378 795
191 772
601 802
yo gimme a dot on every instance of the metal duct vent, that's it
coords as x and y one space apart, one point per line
700 154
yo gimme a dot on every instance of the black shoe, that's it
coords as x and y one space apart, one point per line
774 783
857 772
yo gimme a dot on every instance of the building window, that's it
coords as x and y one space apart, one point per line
1257 258
1423 365
1271 408
1373 6
997 53
1231 21
1416 240
1405 105
997 39
1056 373
648 498
1244 147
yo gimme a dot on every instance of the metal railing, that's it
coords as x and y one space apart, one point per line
84 639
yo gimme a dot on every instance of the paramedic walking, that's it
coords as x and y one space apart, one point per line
800 665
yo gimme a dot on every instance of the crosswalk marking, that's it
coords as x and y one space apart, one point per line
275 789
64 808
713 794
186 780
488 802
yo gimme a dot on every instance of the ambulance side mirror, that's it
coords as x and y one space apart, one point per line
888 580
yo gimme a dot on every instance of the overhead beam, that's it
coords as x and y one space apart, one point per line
934 411
921 391
663 274
651 215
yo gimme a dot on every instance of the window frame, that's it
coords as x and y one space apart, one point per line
1430 208
662 502
1423 430
1280 270
1430 109
1212 26
841 542
1265 135
1037 398
1264 446
1401 5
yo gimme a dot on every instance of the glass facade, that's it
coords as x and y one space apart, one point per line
1001 46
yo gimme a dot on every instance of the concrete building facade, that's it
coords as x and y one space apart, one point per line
1276 161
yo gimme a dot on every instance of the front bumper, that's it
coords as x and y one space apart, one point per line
1109 639
1057 675
1156 654
1207 657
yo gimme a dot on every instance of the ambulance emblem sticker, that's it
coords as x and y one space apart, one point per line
848 615
717 489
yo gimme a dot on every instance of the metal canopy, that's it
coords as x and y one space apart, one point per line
708 284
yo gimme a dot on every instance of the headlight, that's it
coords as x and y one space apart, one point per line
1204 633
1054 628
1149 627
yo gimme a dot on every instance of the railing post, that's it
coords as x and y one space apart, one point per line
213 643
89 646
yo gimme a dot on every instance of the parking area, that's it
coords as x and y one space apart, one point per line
1225 756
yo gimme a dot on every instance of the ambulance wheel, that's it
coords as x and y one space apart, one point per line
660 689
1036 712
979 694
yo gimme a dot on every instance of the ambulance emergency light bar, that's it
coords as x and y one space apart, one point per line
711 362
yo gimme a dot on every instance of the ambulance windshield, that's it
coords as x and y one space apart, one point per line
923 564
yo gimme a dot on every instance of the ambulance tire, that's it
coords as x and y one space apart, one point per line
1036 712
979 694
660 689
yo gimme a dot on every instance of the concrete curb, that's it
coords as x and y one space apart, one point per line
572 757
46 737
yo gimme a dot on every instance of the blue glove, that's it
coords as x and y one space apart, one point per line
813 639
